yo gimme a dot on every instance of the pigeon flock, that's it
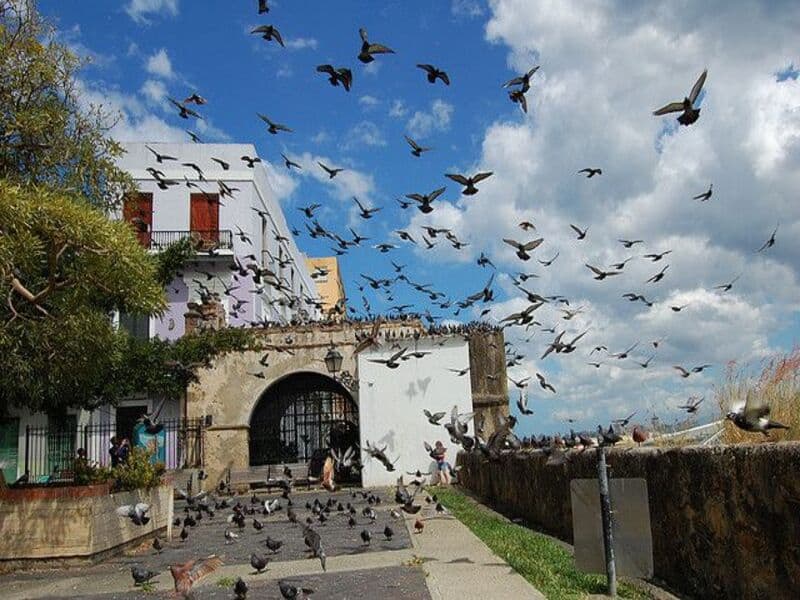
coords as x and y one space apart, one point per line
751 416
354 519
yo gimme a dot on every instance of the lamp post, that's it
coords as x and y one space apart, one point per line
333 361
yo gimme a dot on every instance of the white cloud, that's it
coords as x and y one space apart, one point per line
422 123
368 101
154 90
284 71
398 110
321 137
605 67
302 43
364 133
466 8
160 65
139 10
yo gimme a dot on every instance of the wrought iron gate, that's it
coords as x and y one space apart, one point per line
299 416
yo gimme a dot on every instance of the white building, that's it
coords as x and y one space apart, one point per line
247 225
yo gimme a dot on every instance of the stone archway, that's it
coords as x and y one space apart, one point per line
298 417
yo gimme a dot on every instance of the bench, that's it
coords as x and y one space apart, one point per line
267 476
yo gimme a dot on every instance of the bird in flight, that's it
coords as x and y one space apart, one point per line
753 416
434 74
689 114
591 172
290 163
268 33
337 75
523 249
726 287
425 200
416 149
368 49
469 182
705 195
366 213
770 242
581 233
185 111
331 172
273 127
599 274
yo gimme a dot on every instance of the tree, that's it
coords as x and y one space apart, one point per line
64 270
46 136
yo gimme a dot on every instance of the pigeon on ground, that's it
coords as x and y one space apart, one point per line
141 575
258 562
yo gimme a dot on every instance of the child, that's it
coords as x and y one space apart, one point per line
444 468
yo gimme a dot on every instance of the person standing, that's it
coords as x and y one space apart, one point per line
442 466
113 451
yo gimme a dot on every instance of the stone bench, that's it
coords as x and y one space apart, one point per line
267 476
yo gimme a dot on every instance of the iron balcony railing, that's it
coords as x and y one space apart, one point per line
207 239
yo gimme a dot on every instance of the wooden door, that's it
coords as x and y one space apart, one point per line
204 217
138 211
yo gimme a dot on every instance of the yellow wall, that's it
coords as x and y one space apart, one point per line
330 288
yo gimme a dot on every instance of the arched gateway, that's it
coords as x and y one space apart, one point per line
299 417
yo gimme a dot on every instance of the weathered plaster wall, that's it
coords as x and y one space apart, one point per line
725 520
392 400
62 525
229 391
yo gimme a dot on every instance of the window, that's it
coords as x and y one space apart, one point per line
137 326
137 210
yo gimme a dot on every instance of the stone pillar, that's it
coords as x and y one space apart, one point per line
487 362
226 446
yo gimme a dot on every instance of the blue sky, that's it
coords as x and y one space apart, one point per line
605 67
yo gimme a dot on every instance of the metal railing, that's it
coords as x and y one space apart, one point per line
207 239
50 454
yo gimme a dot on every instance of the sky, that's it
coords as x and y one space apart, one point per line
604 67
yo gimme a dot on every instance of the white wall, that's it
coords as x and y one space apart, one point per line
391 403
171 212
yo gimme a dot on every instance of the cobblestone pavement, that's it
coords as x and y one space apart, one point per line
389 583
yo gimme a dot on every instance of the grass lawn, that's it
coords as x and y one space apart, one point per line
545 564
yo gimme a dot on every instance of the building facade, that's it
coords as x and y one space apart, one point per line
210 195
231 213
327 276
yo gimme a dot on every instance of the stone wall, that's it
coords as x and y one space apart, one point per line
74 522
725 520
487 362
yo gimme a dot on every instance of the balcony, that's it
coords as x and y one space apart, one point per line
210 241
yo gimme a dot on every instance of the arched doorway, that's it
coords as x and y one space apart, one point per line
299 417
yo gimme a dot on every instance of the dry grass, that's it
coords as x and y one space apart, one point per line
778 384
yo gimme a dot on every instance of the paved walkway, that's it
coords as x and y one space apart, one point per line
445 562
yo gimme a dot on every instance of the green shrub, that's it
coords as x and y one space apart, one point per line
138 471
88 473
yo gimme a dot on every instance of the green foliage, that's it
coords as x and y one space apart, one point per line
173 259
46 136
64 269
89 473
547 565
138 472
226 582
164 368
